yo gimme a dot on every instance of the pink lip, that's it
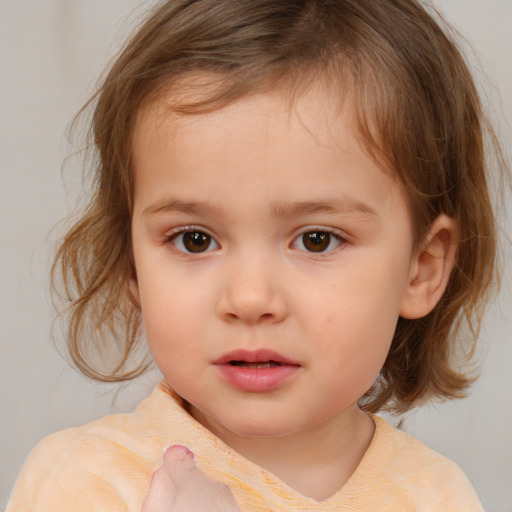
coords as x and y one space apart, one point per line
256 379
261 355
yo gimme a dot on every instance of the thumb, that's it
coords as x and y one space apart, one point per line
162 493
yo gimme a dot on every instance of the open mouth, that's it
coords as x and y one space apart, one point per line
259 364
257 370
258 358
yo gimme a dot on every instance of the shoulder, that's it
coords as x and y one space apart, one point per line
414 476
104 465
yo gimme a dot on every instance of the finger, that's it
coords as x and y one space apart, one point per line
180 464
194 489
162 493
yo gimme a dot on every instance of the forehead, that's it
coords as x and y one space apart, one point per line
324 98
261 146
266 128
315 113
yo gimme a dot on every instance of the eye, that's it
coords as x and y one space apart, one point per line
317 241
194 242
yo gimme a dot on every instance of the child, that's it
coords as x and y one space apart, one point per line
291 202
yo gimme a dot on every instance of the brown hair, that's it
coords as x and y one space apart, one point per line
418 113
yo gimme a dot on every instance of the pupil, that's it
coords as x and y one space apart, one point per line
195 241
316 241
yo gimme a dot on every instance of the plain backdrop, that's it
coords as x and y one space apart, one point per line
51 54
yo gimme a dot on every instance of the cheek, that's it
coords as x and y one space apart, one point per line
176 313
355 320
162 315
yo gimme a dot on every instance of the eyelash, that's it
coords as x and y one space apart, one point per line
331 234
324 241
172 237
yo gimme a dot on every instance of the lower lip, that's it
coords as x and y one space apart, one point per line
257 380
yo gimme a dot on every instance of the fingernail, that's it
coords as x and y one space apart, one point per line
186 452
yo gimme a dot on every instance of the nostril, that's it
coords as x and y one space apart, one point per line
249 316
252 305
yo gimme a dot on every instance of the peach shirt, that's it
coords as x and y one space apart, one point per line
106 466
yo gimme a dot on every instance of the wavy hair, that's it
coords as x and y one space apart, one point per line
418 113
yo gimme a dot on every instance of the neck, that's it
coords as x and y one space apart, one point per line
316 462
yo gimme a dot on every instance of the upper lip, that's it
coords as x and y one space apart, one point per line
261 355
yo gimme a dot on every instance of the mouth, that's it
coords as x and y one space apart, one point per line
262 364
257 371
260 358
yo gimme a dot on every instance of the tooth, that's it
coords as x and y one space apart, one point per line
266 364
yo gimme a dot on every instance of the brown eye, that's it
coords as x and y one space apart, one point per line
317 241
194 242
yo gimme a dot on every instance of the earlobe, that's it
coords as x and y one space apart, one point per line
133 288
431 268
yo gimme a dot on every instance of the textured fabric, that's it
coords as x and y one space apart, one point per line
106 466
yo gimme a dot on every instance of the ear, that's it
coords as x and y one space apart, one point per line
431 267
133 288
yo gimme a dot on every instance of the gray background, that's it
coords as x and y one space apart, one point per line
51 53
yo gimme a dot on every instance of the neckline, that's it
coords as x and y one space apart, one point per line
205 442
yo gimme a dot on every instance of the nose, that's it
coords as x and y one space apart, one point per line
252 292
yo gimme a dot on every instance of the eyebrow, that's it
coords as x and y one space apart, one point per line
177 205
344 205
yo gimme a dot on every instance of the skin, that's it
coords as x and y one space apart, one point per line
179 485
252 179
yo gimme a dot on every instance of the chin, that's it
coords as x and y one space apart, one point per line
261 431
268 426
246 425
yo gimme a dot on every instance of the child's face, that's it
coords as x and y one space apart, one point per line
266 234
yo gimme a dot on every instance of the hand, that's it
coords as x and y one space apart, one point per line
180 486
